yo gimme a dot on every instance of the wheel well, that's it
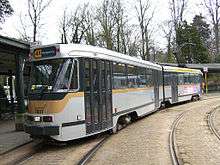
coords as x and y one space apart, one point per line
133 115
167 103
195 97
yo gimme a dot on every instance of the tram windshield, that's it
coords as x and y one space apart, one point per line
56 75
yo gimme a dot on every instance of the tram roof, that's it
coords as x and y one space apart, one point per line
80 50
181 70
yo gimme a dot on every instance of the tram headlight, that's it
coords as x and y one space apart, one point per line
37 118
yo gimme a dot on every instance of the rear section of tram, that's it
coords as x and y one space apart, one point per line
181 84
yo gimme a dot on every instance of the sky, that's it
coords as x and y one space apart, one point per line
50 19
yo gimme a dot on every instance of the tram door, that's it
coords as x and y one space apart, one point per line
98 95
174 87
156 87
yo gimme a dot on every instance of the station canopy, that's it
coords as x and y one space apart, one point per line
9 49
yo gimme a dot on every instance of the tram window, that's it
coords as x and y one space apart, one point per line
74 81
119 76
66 80
87 73
95 82
141 78
103 78
199 78
149 77
108 76
160 78
186 78
194 79
167 78
132 77
180 79
191 78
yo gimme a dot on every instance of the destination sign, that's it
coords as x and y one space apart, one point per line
44 52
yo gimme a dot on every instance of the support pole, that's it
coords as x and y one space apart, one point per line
206 83
10 83
20 110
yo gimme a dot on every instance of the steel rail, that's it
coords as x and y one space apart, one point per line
172 140
92 151
211 125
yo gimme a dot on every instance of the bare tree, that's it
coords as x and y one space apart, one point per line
78 26
73 26
64 27
144 17
213 7
177 8
133 44
106 20
121 28
35 10
23 29
167 29
90 35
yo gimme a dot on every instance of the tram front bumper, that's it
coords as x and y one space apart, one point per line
42 130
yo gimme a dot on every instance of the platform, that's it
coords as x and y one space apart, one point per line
9 138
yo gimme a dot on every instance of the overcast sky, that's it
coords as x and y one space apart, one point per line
50 19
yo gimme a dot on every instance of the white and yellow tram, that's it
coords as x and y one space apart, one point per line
78 90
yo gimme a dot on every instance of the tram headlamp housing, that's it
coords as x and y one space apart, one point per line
47 118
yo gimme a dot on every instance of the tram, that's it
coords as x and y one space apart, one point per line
80 90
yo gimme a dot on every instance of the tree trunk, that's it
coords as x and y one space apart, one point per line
216 40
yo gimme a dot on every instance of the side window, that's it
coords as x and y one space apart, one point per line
167 78
74 84
119 76
149 77
186 78
191 77
86 74
180 78
132 77
160 78
66 79
95 80
103 77
141 78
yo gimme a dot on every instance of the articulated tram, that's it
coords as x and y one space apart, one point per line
80 90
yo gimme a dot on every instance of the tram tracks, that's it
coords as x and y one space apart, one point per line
20 153
210 122
85 159
73 152
172 140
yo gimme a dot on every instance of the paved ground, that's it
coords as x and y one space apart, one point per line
216 120
143 142
146 141
9 138
196 143
69 154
